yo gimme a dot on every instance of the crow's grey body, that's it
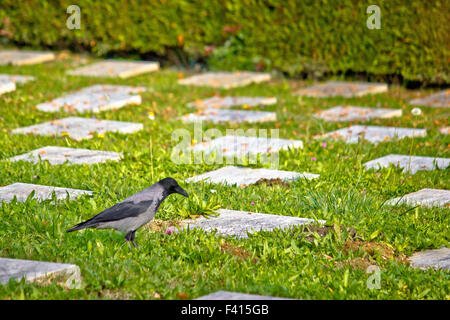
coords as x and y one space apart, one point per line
135 211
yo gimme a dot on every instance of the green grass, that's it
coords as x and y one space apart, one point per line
281 263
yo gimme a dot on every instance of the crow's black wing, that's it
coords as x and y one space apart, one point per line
119 211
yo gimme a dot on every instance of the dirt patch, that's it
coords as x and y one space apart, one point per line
364 253
372 249
369 252
357 263
322 231
61 279
114 295
157 225
237 252
272 182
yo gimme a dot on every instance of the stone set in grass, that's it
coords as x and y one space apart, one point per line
342 89
425 197
21 191
225 80
438 258
218 115
228 295
8 82
412 164
21 57
60 155
374 134
437 100
230 146
79 128
95 99
115 68
242 223
242 177
39 271
230 101
352 113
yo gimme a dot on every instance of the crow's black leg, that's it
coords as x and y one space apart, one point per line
128 237
132 239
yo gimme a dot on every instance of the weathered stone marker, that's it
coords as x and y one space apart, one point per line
7 86
17 269
15 78
425 198
375 134
351 113
225 80
234 145
22 190
242 176
438 100
60 155
228 295
408 163
243 223
342 89
228 102
8 82
115 68
20 58
79 128
96 98
437 259
218 116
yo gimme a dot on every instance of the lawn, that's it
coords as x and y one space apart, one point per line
293 263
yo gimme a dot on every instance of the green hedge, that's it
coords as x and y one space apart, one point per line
311 36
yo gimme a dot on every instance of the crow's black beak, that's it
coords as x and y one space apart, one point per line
181 191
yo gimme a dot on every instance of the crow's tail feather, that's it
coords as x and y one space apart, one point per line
82 225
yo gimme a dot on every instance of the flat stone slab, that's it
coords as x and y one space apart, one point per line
95 99
60 155
229 146
8 82
425 198
7 86
15 78
409 163
228 295
228 102
225 80
220 115
352 113
18 269
438 100
243 177
80 128
375 134
115 68
22 190
20 58
342 89
437 259
243 223
445 130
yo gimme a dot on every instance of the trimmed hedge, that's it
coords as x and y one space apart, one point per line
311 36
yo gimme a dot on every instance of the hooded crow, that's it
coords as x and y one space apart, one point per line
133 212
